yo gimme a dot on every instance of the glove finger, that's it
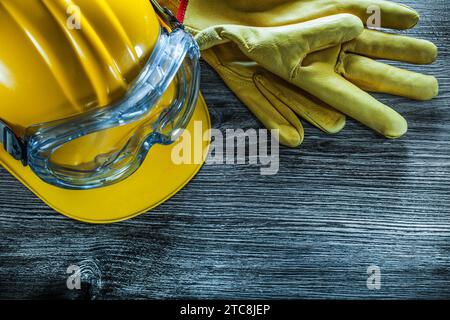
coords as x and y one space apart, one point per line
298 39
371 75
346 97
392 15
238 73
383 45
277 111
273 114
283 48
268 112
281 12
303 104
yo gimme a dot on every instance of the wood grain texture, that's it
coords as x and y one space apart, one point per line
339 204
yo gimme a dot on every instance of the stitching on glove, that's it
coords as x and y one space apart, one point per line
229 74
296 70
340 63
286 112
290 101
241 42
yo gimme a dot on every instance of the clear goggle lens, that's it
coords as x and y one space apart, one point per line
116 139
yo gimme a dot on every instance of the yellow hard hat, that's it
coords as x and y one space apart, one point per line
93 95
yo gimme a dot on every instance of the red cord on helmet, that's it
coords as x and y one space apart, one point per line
182 10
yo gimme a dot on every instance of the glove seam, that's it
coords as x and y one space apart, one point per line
340 63
227 73
296 70
301 110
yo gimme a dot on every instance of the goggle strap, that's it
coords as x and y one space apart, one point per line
182 10
12 144
167 16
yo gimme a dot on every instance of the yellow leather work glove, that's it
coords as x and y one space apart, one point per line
275 102
242 52
337 75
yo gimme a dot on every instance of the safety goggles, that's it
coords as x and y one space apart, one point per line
142 113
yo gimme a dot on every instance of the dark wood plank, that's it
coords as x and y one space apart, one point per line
339 204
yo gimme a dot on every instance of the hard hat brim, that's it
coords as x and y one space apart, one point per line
156 181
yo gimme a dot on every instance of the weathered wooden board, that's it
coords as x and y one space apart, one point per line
339 204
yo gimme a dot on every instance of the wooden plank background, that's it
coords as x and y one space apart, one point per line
339 204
